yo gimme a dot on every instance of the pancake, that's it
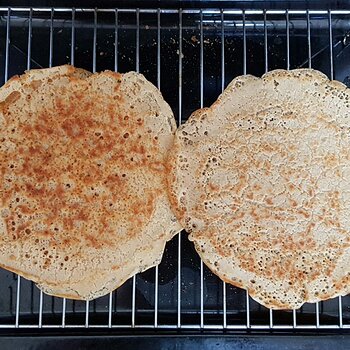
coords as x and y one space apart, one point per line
83 195
260 180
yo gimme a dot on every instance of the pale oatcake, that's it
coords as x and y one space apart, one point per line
261 180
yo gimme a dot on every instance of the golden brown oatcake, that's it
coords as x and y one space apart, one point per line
261 181
82 189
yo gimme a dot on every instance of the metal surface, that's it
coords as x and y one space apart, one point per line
237 342
190 55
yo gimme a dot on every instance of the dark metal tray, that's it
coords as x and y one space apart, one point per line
191 55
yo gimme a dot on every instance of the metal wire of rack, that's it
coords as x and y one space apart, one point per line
27 305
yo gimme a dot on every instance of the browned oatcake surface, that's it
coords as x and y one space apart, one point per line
82 187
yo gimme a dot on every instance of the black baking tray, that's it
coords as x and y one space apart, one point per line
256 59
175 4
185 342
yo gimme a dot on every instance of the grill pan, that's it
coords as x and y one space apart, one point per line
191 54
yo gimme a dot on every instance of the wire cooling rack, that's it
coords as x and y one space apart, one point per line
191 55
